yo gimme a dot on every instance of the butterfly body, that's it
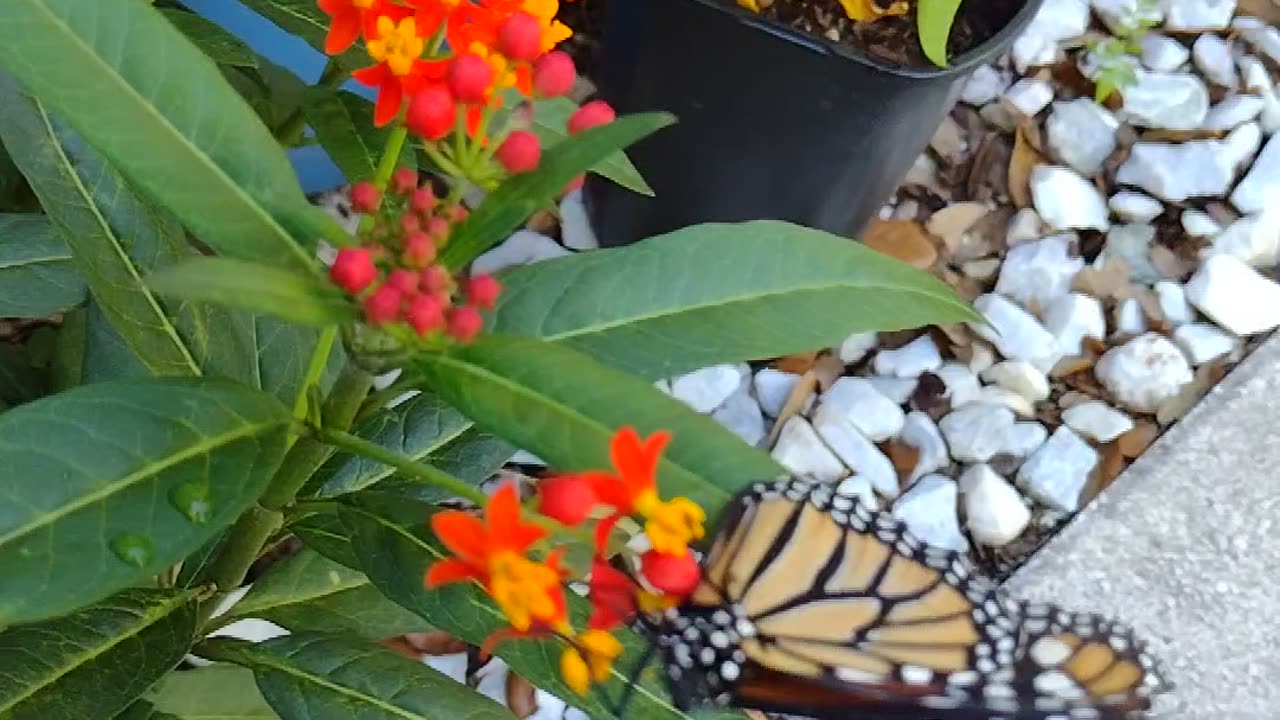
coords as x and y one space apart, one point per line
813 604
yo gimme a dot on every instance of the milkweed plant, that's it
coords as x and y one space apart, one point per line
220 404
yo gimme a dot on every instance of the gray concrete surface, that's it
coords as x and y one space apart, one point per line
1185 546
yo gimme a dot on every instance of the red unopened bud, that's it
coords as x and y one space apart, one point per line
520 152
426 314
469 77
482 291
553 74
431 113
422 200
520 37
593 114
383 306
436 279
567 499
459 212
672 574
404 180
353 269
409 223
406 281
438 228
465 323
365 198
418 249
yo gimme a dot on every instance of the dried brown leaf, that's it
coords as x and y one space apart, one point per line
1023 160
1136 441
436 642
804 387
522 698
797 364
903 240
828 369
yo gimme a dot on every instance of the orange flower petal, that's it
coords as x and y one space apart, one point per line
502 518
636 459
343 31
372 76
390 98
333 7
450 570
463 534
603 529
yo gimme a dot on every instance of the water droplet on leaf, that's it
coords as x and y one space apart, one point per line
194 501
135 550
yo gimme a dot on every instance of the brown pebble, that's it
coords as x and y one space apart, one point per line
903 240
1133 443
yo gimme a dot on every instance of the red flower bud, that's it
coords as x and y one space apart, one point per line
404 180
612 594
520 37
469 77
426 314
593 114
353 269
365 198
438 228
465 323
436 279
383 306
567 499
672 574
418 249
406 281
422 200
459 212
553 74
409 223
431 112
482 291
520 152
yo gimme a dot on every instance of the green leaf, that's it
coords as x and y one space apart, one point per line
343 123
320 529
106 355
121 453
550 123
719 293
37 278
160 111
143 710
517 198
217 692
301 298
933 22
67 368
221 46
308 592
20 380
564 407
305 19
93 663
327 677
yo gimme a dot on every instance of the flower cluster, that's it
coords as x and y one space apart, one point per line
498 554
856 10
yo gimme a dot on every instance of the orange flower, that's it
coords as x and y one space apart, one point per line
590 659
397 46
492 553
348 19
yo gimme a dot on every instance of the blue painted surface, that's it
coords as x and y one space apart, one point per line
316 172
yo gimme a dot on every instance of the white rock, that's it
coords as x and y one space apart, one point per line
1132 243
982 358
980 431
1023 439
920 432
1173 101
1204 342
1065 200
1020 377
1254 76
801 451
949 139
998 115
857 452
995 395
1173 302
1015 332
1198 168
1057 472
773 387
1162 53
962 383
664 385
1040 43
522 248
1212 55
1198 14
1233 112
1125 16
984 85
1254 239
1269 120
1129 318
575 224
1199 224
707 388
1263 37
1037 273
1263 178
1025 225
896 389
1097 420
923 172
1144 372
929 510
1135 207
856 346
918 356
857 401
1029 96
1072 318
984 269
994 511
858 486
741 415
1235 296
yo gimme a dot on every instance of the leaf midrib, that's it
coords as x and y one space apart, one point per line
24 262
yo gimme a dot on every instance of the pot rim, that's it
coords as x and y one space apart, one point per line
975 56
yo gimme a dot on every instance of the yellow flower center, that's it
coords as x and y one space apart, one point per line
362 4
523 589
574 670
670 525
601 649
397 45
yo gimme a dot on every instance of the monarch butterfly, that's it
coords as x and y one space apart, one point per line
813 604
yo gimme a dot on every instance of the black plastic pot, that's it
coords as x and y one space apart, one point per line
773 124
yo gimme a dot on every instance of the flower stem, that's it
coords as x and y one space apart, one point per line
419 471
290 131
315 367
390 155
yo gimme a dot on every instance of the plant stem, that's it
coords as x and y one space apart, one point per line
390 155
378 399
244 542
290 131
315 367
419 471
